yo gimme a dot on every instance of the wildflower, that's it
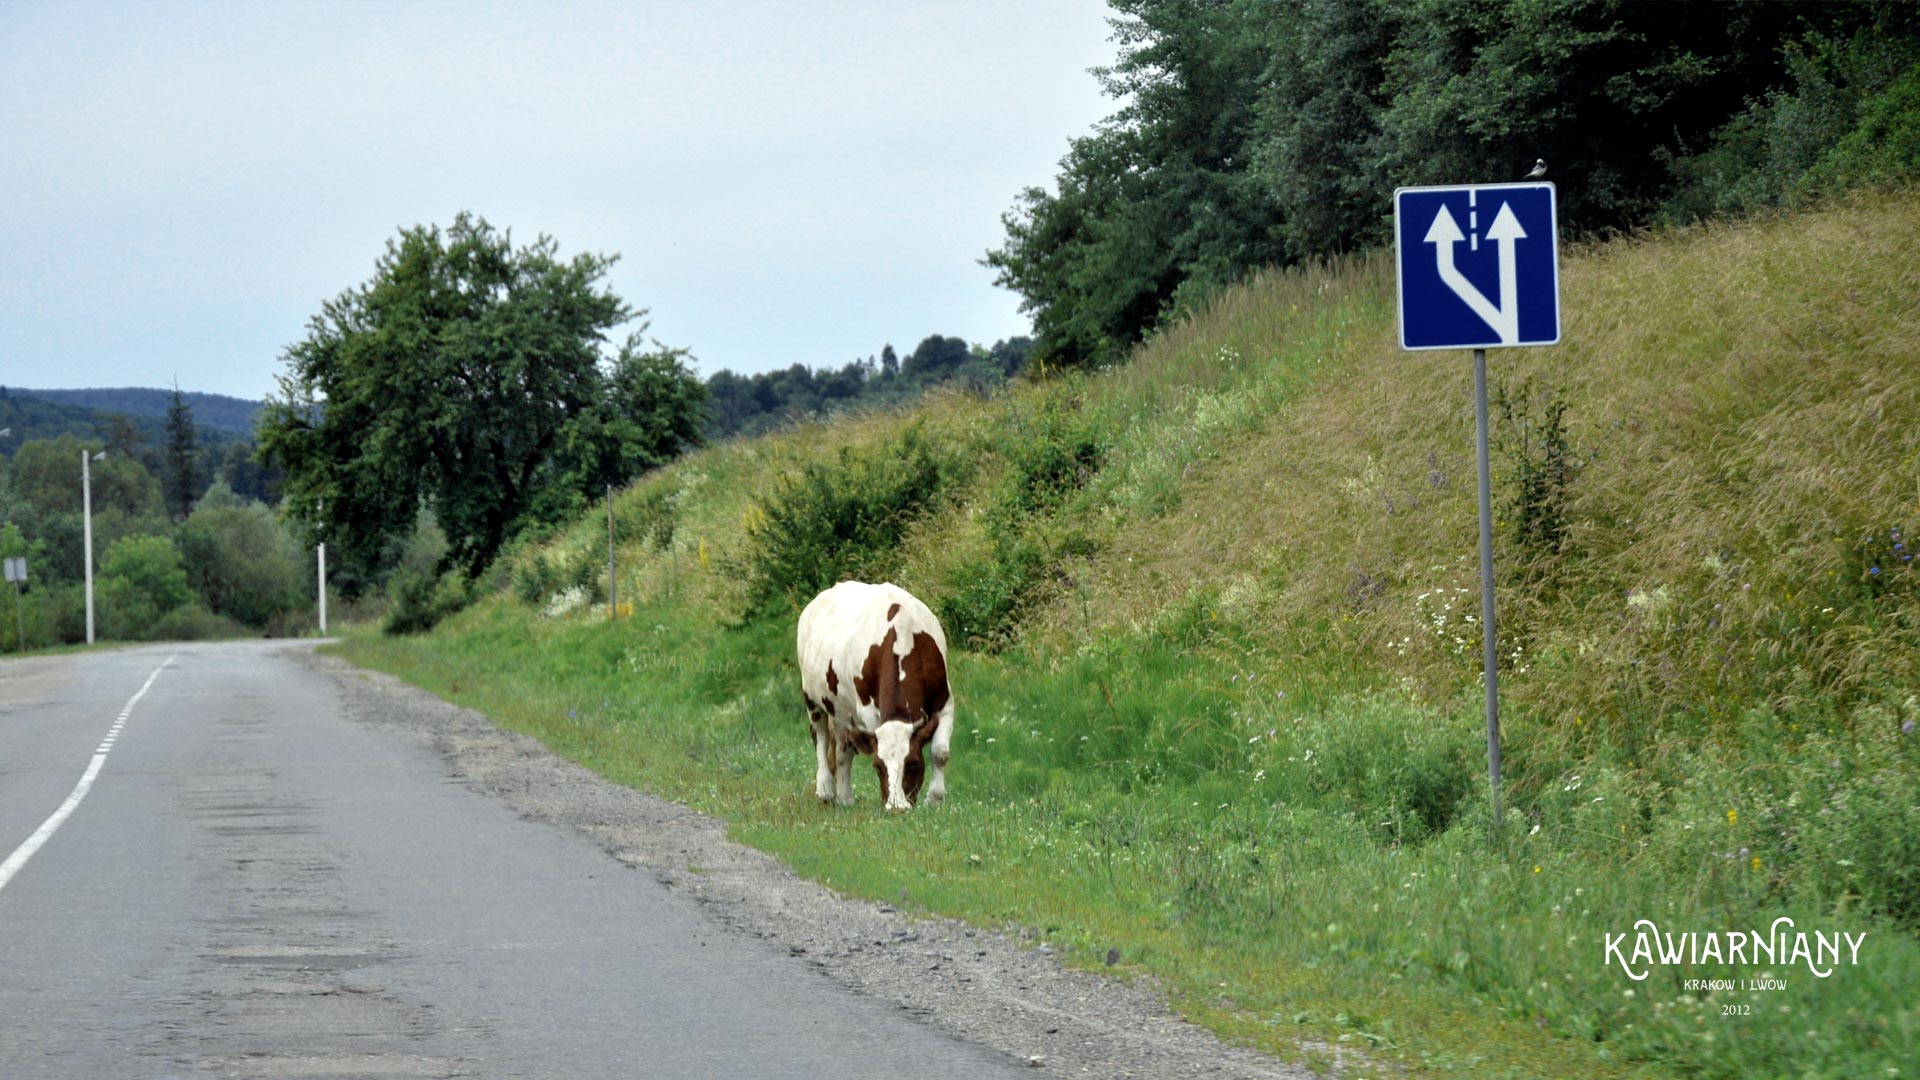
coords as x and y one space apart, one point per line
1906 728
1536 869
1756 863
1733 818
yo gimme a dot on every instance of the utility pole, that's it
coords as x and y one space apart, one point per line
323 587
86 514
613 600
318 509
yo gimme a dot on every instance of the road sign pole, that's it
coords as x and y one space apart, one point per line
1490 644
1448 278
19 623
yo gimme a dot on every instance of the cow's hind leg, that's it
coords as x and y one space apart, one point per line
823 752
843 772
939 749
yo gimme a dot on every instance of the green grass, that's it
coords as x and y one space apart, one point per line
1224 714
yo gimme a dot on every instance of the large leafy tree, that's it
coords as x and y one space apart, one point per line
474 378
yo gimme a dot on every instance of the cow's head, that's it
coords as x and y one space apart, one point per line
910 691
897 758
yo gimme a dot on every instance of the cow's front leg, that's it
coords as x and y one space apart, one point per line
938 751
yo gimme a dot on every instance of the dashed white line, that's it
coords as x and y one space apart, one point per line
48 827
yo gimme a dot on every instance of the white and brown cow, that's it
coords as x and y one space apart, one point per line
873 667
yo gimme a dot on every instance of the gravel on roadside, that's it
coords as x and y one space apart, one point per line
985 986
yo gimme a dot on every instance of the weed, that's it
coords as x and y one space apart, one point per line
1532 435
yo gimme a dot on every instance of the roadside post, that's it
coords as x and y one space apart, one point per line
16 572
86 517
320 569
1478 267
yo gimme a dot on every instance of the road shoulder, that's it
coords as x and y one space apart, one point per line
985 987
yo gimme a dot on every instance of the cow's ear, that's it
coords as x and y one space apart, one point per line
923 731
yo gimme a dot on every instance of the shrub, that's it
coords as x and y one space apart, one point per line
1050 455
191 622
140 580
536 578
1400 769
1531 434
838 519
242 562
421 601
422 594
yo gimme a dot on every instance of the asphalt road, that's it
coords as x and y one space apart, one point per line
255 884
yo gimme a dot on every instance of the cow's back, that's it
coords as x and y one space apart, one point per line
874 652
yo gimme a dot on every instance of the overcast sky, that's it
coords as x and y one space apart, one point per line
183 184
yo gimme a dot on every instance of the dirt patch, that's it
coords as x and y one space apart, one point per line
980 985
31 678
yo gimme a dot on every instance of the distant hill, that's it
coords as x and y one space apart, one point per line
216 412
27 415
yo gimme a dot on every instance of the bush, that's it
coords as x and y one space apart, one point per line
1531 434
837 520
242 562
1050 456
140 581
421 601
536 578
191 622
1400 769
422 594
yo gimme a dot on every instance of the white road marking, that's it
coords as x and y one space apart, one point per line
48 827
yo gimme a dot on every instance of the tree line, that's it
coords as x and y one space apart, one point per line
180 553
471 396
476 394
746 405
221 453
1251 133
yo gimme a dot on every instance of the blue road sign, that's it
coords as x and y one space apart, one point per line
1479 266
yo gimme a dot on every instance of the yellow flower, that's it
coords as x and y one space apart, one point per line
1536 869
1733 818
1756 862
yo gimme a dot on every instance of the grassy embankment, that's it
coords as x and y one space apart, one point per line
1221 706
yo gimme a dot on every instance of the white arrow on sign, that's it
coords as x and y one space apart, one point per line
1505 319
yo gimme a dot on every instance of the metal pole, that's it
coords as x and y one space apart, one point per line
86 513
319 512
19 622
1491 645
323 587
613 600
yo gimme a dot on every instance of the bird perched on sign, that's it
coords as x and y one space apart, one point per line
1539 169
